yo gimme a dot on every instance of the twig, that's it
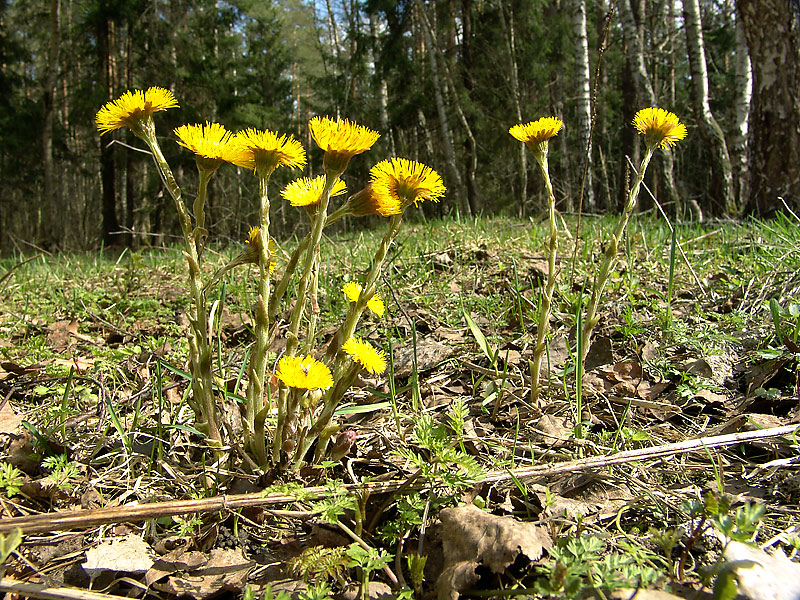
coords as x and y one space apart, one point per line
37 590
49 522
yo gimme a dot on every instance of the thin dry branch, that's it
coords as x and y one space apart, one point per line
36 590
50 522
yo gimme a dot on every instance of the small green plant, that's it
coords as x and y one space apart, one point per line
317 563
11 479
537 135
581 564
367 560
62 470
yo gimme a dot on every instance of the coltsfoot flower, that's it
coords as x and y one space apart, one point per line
304 373
537 134
366 355
367 202
402 181
660 127
306 191
132 108
265 151
352 289
341 140
211 143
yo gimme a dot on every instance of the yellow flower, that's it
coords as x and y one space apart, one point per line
304 373
306 191
341 140
211 143
366 355
367 202
537 134
403 181
265 151
660 127
251 254
352 289
132 107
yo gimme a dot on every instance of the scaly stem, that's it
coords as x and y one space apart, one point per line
591 319
258 358
199 349
547 296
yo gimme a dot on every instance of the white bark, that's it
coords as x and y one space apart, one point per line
744 93
583 95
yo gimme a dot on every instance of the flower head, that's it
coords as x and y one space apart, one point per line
660 127
304 373
352 290
367 202
265 151
341 140
366 355
251 252
537 134
211 143
306 191
402 181
133 109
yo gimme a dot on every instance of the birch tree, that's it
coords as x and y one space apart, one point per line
713 138
583 94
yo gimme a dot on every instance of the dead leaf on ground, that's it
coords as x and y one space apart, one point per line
763 576
225 571
429 354
9 420
472 537
130 554
59 333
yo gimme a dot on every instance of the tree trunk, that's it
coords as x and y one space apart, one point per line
583 96
511 50
774 45
107 173
713 138
444 122
633 34
743 95
50 202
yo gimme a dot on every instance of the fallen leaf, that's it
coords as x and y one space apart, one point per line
225 571
763 576
58 334
9 420
472 537
429 354
130 554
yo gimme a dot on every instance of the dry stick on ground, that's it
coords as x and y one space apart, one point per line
36 590
49 522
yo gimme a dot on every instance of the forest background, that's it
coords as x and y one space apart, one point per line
442 81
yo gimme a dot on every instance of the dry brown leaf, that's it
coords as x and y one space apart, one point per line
9 420
764 576
58 334
130 554
429 354
225 571
471 537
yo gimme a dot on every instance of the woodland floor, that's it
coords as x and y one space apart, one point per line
93 415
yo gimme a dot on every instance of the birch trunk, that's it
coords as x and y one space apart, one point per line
744 93
583 96
444 122
50 220
713 138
